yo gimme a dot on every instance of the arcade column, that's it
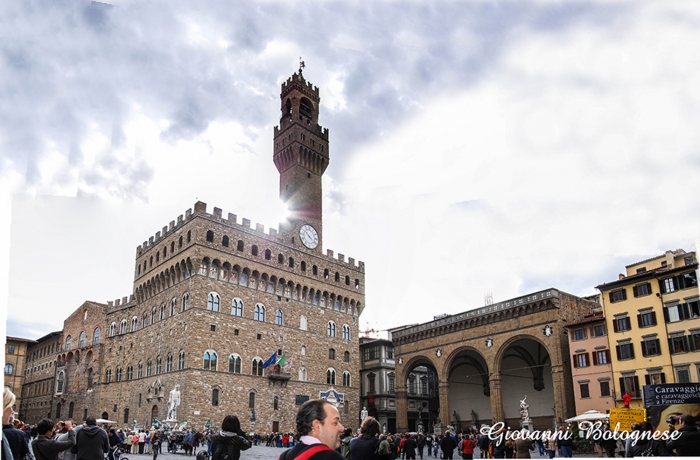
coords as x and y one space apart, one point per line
401 410
497 414
445 414
564 405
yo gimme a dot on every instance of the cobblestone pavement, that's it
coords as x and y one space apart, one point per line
271 453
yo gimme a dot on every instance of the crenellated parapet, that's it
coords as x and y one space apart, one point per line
165 232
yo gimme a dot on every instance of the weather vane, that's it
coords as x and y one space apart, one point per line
301 65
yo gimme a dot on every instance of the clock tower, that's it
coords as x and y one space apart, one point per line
301 157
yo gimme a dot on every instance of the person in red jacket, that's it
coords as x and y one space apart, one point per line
466 446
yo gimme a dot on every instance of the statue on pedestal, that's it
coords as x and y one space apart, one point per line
363 414
173 402
524 413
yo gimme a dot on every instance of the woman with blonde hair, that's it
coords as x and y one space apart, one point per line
16 439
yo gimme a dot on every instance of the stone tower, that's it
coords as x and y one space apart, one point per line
301 157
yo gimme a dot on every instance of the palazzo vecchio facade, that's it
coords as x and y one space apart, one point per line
214 298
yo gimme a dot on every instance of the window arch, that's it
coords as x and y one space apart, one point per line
159 365
185 301
134 323
60 381
81 339
275 403
149 368
268 254
257 366
96 336
302 374
303 266
169 363
303 323
346 379
144 320
210 236
108 375
173 306
291 262
224 241
280 259
330 329
259 313
254 250
346 357
278 317
237 307
330 376
153 315
347 280
162 312
213 301
234 363
240 246
119 374
69 339
9 369
346 332
139 370
122 327
210 360
331 353
337 277
215 397
181 361
303 350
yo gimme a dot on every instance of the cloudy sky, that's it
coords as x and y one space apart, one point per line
476 147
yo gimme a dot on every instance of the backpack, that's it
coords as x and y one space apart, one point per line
226 449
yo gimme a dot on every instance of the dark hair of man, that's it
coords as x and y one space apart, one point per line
232 424
91 420
687 419
369 428
44 426
314 409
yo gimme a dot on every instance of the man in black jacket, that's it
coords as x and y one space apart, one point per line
448 445
688 443
91 442
45 448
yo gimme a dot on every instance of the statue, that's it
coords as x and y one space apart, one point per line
524 413
363 414
173 402
475 419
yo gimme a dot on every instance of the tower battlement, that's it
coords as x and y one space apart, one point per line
298 79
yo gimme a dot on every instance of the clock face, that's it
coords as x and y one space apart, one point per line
308 236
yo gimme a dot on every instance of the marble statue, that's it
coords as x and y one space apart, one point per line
524 413
363 414
173 402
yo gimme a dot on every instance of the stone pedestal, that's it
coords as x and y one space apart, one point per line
527 425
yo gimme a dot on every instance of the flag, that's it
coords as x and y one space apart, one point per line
287 367
281 361
270 361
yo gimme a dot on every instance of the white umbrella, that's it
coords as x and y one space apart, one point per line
105 421
588 415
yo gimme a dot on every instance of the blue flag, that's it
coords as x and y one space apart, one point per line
270 361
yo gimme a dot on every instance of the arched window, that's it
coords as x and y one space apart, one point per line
189 236
96 336
302 374
162 312
346 332
268 254
210 360
81 339
108 375
213 301
9 369
278 317
303 266
144 320
119 374
291 262
237 307
331 329
181 361
331 353
337 277
179 243
169 363
134 323
185 301
240 245
303 350
325 273
346 379
122 327
347 280
139 371
346 357
58 410
257 366
149 368
129 373
259 313
234 363
275 403
254 250
280 259
314 270
411 384
224 241
215 397
210 236
173 307
69 339
303 324
60 381
330 376
153 315
251 400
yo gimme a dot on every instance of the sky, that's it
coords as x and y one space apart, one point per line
477 148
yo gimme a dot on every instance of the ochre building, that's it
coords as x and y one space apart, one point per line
485 361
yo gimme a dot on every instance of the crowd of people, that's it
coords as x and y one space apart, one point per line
320 435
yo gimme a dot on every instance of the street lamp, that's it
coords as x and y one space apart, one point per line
252 420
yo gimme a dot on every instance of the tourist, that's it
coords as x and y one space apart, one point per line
318 430
16 439
448 445
45 448
91 442
688 443
365 446
228 444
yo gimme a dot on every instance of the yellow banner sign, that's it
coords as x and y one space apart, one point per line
626 417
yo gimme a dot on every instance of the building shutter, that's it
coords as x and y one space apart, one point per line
636 386
670 346
662 287
631 351
639 321
622 386
644 348
663 378
686 346
653 318
666 314
679 282
685 311
647 379
629 323
634 291
617 349
607 355
615 327
575 361
595 358
612 298
588 361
